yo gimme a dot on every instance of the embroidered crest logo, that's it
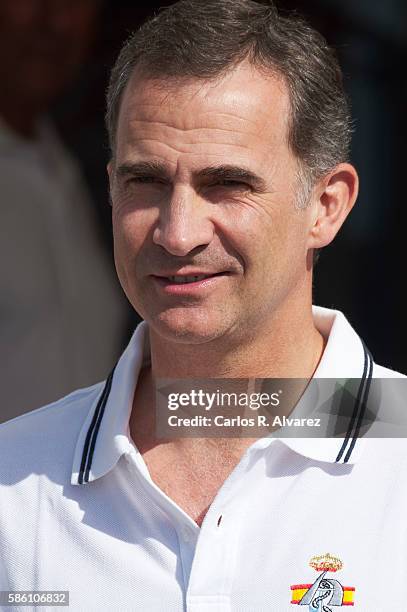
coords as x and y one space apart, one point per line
325 593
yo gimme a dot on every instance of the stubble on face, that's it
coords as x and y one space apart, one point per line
180 220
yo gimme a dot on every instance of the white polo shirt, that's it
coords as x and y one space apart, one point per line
79 511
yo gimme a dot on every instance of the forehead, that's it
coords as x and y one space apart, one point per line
244 112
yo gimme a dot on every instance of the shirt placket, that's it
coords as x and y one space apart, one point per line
214 565
187 530
208 555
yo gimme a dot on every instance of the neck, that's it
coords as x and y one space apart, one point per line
285 346
288 345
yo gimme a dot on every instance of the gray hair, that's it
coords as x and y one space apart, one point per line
196 39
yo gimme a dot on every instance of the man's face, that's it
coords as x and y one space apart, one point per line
203 181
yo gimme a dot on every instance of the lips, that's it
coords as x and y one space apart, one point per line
188 279
188 284
188 276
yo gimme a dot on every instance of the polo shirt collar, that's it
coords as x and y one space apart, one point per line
105 434
345 356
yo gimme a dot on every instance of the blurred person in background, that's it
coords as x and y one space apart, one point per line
62 315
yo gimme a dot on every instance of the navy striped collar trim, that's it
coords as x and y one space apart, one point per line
352 434
92 433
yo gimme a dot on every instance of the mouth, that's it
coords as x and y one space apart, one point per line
181 284
188 279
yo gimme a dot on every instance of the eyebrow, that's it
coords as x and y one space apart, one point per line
223 172
233 173
143 168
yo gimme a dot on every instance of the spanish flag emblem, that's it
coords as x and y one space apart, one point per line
324 591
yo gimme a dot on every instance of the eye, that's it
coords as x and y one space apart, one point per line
143 179
232 183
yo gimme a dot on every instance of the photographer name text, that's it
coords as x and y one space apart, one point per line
239 421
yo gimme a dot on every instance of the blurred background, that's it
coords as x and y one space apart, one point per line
63 318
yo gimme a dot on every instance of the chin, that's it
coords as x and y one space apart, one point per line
187 327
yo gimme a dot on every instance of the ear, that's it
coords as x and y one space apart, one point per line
334 197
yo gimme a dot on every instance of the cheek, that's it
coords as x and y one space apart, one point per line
246 229
131 230
277 247
289 251
131 227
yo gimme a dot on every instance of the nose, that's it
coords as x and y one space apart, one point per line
183 223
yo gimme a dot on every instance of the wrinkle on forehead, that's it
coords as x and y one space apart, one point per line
244 97
140 131
240 118
195 151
